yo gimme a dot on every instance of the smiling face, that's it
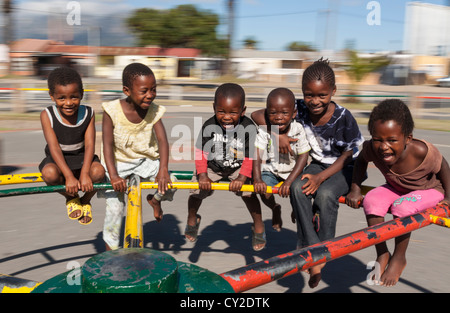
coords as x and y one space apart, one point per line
280 112
317 96
67 99
142 92
389 142
228 111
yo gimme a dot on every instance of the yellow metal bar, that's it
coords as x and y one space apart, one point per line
46 89
214 186
20 178
134 237
441 221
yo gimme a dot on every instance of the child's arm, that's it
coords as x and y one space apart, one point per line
444 176
118 183
201 167
244 173
236 184
314 181
282 141
72 184
89 148
163 177
300 163
259 185
354 197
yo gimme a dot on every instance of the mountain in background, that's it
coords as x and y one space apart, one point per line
107 30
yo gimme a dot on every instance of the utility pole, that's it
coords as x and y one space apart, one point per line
230 6
7 22
7 28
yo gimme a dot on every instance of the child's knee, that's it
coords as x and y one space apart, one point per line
51 174
97 172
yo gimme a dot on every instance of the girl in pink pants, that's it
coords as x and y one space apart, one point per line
417 178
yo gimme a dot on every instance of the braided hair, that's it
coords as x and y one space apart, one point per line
319 70
392 110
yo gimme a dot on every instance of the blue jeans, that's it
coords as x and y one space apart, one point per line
270 178
326 204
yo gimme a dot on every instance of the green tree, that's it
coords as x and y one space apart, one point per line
183 26
300 46
250 43
358 67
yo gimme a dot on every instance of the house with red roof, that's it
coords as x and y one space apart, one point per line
37 57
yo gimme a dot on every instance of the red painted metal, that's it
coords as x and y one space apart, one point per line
283 265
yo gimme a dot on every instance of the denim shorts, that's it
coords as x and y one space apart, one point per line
270 178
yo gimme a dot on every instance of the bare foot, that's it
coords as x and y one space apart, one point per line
156 205
395 268
315 275
276 218
383 261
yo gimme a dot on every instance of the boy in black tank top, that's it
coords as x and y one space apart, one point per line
69 131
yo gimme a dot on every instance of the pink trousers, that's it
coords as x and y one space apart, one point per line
385 199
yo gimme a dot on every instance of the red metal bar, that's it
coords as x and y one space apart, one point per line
283 265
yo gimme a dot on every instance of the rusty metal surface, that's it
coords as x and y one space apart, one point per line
280 266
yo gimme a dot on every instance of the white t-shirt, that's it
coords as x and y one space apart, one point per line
281 164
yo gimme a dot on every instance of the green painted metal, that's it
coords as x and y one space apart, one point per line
44 189
181 175
130 270
194 279
68 282
135 270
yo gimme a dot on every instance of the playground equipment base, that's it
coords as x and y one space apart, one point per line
135 270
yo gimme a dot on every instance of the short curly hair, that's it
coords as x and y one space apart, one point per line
281 92
63 76
392 110
133 70
230 90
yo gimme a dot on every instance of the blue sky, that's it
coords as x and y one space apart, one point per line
274 24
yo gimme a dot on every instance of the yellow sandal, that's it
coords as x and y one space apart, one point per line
72 206
87 212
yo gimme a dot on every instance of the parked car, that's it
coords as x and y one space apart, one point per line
443 82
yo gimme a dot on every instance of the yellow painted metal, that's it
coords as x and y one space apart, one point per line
441 221
11 284
134 237
20 178
46 89
214 186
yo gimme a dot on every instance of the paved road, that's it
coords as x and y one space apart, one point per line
37 240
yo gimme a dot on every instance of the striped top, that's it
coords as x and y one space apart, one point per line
70 137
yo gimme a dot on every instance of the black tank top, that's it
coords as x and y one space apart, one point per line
70 137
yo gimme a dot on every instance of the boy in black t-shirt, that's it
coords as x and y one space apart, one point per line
223 152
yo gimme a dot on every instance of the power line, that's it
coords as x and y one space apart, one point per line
362 16
278 14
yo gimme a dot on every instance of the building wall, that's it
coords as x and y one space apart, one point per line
427 29
433 66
